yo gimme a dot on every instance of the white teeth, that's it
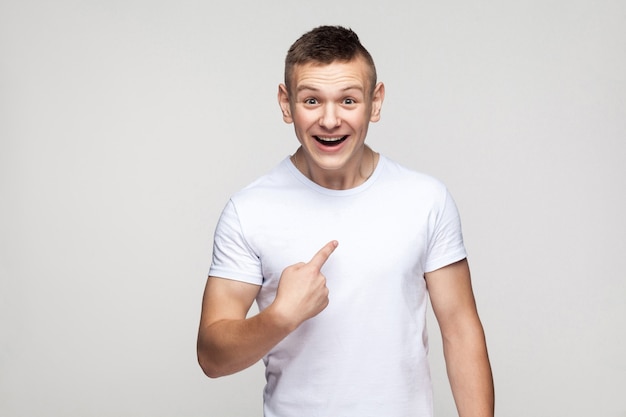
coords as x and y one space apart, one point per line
330 139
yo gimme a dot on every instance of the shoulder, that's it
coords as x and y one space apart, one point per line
267 185
410 180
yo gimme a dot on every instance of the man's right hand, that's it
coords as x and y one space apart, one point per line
302 292
228 341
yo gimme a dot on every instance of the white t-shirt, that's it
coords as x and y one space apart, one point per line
366 353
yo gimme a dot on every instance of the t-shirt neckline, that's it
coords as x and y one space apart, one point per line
328 191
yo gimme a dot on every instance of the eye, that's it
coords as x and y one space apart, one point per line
310 101
349 101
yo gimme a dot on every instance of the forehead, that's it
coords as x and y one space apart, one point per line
339 74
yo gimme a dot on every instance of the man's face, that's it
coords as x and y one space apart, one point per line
331 107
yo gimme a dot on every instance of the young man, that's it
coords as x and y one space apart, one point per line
340 247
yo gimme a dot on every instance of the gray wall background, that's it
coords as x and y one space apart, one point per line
126 125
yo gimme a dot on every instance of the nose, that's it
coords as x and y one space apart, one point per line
330 117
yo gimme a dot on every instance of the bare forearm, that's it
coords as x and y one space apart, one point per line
229 342
228 346
469 372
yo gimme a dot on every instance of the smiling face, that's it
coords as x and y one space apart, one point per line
331 107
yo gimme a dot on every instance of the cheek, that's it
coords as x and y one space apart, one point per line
299 122
304 120
357 120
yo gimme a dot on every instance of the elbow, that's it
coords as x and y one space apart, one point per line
211 362
209 367
207 362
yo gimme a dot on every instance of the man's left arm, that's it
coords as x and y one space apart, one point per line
464 345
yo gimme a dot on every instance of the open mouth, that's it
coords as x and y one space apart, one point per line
331 141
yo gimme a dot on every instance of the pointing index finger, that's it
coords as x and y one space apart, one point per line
320 258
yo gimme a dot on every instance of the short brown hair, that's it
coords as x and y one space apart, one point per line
325 45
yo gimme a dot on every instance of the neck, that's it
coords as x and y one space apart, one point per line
351 176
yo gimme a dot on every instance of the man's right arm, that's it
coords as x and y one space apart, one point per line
229 342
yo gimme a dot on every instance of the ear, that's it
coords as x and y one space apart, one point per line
377 102
283 102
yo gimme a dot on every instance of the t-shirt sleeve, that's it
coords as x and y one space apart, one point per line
445 237
233 258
